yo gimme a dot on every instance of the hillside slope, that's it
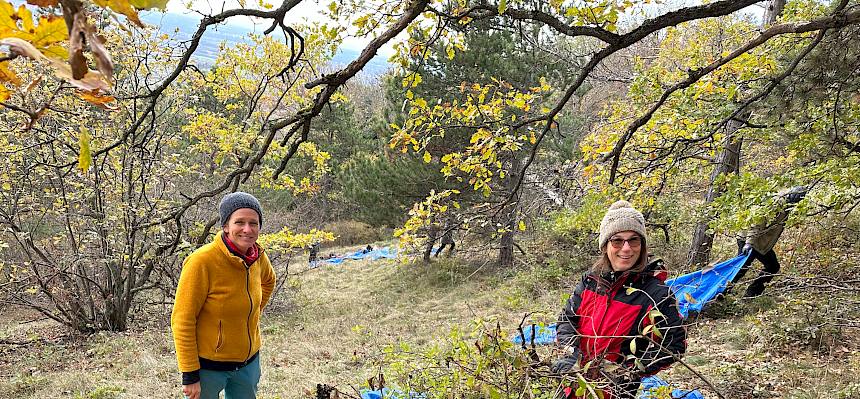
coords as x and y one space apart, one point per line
333 326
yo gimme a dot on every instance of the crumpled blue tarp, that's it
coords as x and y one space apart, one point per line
695 289
386 393
387 253
654 382
544 335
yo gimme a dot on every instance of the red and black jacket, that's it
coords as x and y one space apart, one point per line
606 312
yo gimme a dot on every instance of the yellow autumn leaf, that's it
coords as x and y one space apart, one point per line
427 157
95 98
522 226
6 75
45 36
26 18
85 157
4 93
48 36
8 18
123 7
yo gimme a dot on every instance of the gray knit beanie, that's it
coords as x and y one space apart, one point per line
238 200
621 216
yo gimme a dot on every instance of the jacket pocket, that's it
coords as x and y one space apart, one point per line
220 342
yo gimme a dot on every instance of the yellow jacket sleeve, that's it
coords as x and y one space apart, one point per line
267 280
191 293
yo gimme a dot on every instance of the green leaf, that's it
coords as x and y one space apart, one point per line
85 157
148 4
503 5
654 314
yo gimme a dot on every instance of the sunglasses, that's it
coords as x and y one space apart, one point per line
618 242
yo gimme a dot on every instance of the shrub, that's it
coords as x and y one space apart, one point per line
351 232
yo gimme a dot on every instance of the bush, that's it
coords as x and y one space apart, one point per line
796 325
351 232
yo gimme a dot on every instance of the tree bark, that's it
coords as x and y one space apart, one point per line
431 239
509 216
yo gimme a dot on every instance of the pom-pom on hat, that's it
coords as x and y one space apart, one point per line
621 216
238 200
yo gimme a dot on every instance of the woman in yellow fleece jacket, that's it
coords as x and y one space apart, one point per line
216 313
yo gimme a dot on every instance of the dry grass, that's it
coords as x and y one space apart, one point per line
340 318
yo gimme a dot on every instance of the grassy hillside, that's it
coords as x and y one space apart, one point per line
335 322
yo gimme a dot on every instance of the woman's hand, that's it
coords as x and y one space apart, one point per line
192 391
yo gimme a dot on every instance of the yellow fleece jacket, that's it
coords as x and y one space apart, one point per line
216 313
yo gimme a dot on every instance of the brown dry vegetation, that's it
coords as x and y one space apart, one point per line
334 322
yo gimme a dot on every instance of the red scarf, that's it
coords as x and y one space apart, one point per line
249 257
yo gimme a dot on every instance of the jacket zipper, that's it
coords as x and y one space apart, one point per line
250 308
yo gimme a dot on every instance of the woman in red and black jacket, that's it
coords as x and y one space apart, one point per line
621 312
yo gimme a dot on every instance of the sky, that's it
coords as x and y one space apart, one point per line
306 11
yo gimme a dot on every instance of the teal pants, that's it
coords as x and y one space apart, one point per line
238 384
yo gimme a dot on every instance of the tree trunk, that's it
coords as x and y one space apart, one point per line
431 239
773 11
509 216
727 162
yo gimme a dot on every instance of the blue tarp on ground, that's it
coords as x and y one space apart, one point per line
387 253
386 393
695 289
544 335
654 382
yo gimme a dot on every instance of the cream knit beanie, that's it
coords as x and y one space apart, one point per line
621 216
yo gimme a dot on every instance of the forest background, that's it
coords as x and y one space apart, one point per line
514 123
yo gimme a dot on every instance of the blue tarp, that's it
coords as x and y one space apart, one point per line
654 382
387 253
544 335
695 289
386 393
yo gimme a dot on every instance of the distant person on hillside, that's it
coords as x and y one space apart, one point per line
222 290
758 242
609 308
312 254
447 237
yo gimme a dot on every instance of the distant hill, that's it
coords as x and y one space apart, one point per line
181 27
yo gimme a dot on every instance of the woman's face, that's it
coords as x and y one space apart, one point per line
623 250
243 228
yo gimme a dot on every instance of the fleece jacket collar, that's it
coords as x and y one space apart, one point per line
249 257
